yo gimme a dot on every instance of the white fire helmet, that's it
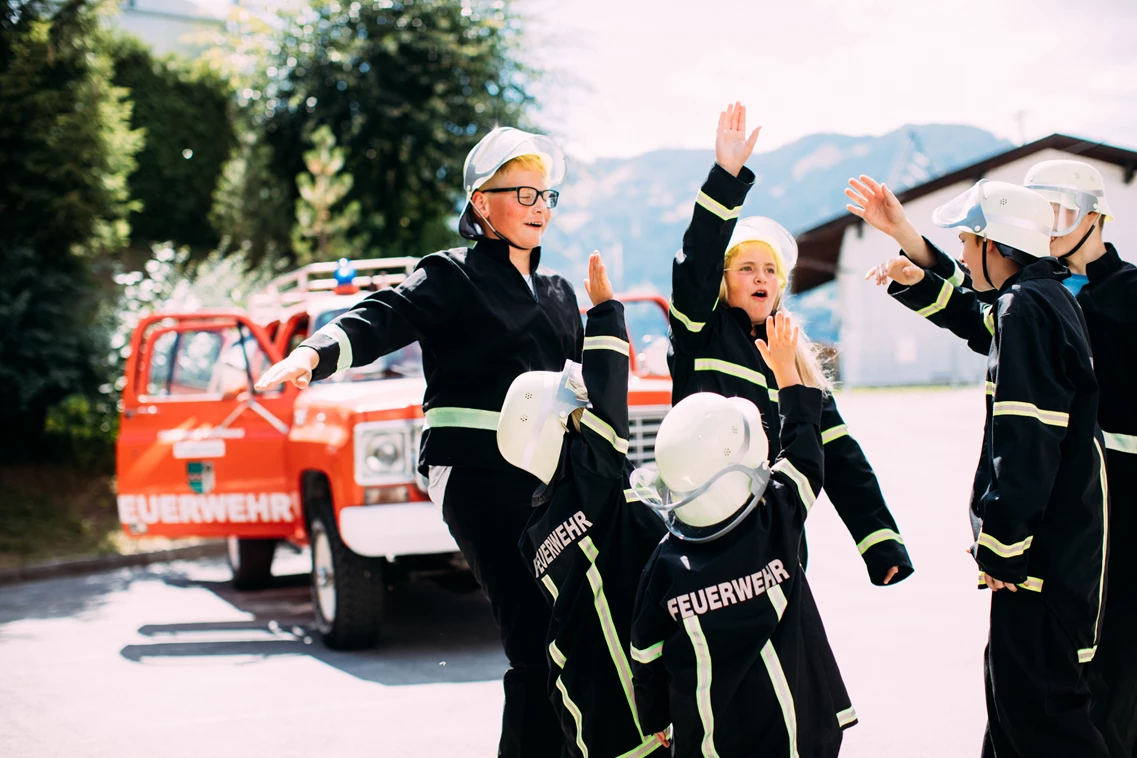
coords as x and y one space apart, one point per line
535 416
710 468
493 151
1073 188
1002 212
769 231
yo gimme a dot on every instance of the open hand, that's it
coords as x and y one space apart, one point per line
876 204
996 585
732 146
898 269
296 368
779 349
597 286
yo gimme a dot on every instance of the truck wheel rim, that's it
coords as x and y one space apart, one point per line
324 575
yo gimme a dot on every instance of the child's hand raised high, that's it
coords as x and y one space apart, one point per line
732 146
597 286
779 350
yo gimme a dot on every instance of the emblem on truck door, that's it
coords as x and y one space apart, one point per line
200 476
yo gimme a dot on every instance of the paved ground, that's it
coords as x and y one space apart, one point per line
169 661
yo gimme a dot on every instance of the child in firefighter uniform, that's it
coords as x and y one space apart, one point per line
729 276
727 641
483 315
1039 504
587 541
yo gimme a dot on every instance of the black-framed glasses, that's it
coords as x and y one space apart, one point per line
529 195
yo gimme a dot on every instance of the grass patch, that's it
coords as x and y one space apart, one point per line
53 511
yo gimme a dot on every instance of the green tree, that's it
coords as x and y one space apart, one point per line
322 231
66 151
188 122
66 148
406 87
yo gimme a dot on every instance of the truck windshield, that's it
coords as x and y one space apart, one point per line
404 362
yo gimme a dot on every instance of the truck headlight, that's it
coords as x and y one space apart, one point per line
382 453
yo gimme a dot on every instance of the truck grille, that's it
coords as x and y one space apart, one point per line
643 423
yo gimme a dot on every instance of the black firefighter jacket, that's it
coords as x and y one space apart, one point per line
712 350
586 545
1039 502
1109 304
727 641
480 327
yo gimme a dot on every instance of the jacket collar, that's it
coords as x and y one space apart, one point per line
1043 268
498 250
742 318
1105 265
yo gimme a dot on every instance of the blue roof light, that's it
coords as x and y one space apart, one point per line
345 272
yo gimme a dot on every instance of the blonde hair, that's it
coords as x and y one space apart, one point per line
521 163
808 358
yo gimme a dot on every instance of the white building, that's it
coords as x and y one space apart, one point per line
882 342
173 26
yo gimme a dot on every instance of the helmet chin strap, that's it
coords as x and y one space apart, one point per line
986 275
507 240
1081 242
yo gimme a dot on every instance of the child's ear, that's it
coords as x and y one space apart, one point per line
576 416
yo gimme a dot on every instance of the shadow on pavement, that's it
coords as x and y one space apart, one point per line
430 635
63 597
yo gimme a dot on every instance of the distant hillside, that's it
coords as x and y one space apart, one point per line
634 210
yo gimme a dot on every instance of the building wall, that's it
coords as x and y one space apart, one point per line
883 343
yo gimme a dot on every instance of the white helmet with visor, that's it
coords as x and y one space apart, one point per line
1074 189
710 469
497 148
1009 214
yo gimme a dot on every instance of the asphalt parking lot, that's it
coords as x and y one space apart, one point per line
170 661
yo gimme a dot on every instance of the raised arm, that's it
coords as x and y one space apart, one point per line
605 366
696 273
878 207
801 464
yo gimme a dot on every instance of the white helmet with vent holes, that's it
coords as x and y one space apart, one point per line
710 467
534 418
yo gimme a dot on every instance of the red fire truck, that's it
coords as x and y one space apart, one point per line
201 453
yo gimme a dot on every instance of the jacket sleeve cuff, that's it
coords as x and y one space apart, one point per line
727 190
882 555
944 266
331 351
800 404
921 294
606 320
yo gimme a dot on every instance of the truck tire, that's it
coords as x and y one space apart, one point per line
348 591
251 562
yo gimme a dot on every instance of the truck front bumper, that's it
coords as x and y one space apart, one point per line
391 530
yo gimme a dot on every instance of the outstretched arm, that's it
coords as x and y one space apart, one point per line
697 271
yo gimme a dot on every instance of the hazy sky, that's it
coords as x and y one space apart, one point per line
627 76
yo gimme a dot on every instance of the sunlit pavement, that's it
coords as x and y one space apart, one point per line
169 661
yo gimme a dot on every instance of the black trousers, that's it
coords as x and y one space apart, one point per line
1113 682
486 512
1038 696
